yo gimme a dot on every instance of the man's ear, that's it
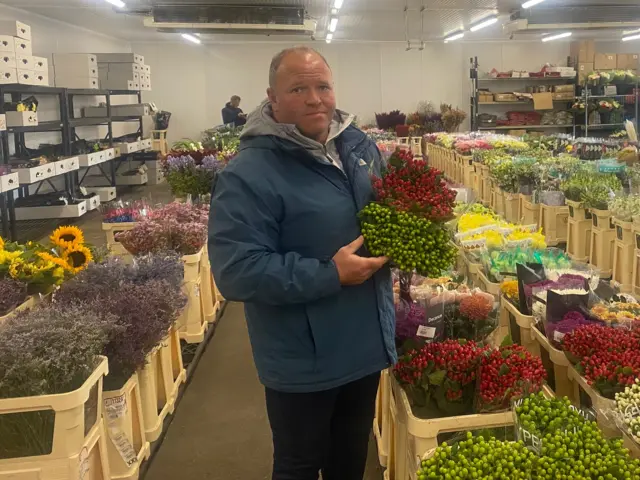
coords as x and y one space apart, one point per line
271 94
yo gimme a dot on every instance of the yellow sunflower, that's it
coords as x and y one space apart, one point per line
78 257
60 262
8 257
67 236
1 243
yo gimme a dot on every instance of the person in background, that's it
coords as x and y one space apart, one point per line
232 113
284 238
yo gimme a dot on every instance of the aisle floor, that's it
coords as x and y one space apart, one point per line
220 430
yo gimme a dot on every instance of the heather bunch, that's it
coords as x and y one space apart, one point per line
181 212
166 266
12 294
162 234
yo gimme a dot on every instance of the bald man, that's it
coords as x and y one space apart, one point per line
284 238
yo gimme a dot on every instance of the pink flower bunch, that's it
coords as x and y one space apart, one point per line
182 213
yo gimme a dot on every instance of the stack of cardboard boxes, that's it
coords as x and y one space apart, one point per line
123 71
17 63
589 60
76 70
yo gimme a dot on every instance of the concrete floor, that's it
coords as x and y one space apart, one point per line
220 430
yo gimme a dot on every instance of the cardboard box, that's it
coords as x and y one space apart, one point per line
111 77
23 47
146 78
584 51
25 62
75 61
26 77
564 96
41 78
564 89
7 44
584 69
120 58
627 61
146 87
41 64
606 61
8 75
76 82
505 97
22 119
134 110
76 71
120 85
122 67
147 69
15 29
7 60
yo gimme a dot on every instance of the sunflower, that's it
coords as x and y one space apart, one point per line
67 236
60 262
1 243
77 257
7 257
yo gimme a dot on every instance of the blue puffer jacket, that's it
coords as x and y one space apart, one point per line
278 216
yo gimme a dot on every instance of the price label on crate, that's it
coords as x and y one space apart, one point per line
426 332
115 407
123 445
196 290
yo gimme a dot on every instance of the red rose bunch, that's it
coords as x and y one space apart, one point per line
507 373
607 357
411 185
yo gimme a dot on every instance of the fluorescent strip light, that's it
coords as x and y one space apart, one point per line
338 4
556 37
632 37
484 23
117 3
531 3
453 37
191 38
333 24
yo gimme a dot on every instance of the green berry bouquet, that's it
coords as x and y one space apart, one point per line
406 222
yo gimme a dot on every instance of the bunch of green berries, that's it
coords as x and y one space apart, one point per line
538 414
411 242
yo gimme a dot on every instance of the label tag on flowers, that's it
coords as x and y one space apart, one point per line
426 332
558 336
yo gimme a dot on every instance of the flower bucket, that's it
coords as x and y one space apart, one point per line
488 286
623 255
29 302
110 229
467 171
554 222
520 327
563 387
71 439
127 445
578 232
477 181
192 324
381 423
210 303
603 237
511 207
529 211
413 436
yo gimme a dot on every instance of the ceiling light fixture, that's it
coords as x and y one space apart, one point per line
484 23
632 37
117 3
338 4
455 36
329 37
191 38
333 24
531 3
556 37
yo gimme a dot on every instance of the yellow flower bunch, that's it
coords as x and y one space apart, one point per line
537 238
7 258
509 289
471 221
493 238
1 243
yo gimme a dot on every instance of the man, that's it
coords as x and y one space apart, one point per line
284 238
232 113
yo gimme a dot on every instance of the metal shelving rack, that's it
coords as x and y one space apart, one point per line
610 126
475 104
66 125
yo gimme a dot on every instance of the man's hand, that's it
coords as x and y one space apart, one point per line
354 269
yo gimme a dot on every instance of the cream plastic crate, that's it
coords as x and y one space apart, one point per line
28 303
381 422
521 326
636 259
599 403
78 445
477 180
127 444
511 207
414 436
467 170
603 237
488 286
554 222
210 304
564 386
486 185
192 324
160 381
416 146
578 232
473 269
623 255
529 211
110 229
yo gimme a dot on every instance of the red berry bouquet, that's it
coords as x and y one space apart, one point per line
508 373
406 222
441 377
608 358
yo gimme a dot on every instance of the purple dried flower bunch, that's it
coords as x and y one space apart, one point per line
12 294
181 227
51 349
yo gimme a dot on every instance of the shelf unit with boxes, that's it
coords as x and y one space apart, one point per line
17 62
558 82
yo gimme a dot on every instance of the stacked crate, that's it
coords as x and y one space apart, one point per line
76 70
123 71
17 63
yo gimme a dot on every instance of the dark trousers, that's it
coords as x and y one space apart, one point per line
322 431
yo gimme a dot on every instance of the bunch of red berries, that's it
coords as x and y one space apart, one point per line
607 357
443 368
507 373
411 185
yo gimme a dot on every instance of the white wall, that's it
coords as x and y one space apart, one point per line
194 82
